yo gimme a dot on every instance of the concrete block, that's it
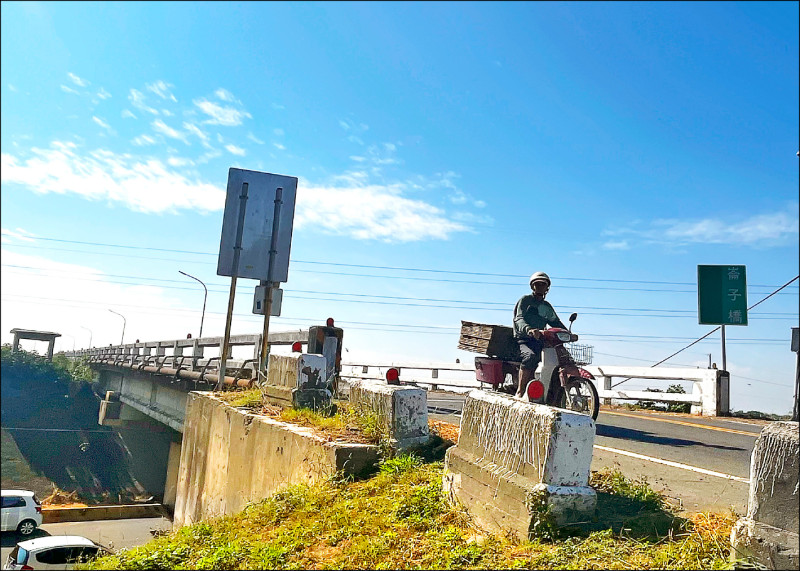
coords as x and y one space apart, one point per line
511 452
402 410
297 381
769 533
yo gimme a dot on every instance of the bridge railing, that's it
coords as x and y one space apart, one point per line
174 352
709 396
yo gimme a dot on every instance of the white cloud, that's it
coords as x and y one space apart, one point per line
103 124
616 245
180 162
17 234
167 113
162 89
357 158
161 127
219 115
11 87
27 302
143 140
127 114
255 139
279 132
137 100
77 80
370 212
760 230
234 150
197 132
279 146
225 95
69 89
143 184
103 94
278 106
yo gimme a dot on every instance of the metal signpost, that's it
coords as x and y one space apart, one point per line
255 243
722 298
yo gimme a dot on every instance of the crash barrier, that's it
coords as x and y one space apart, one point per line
56 514
168 358
297 381
230 458
515 462
402 411
710 394
768 534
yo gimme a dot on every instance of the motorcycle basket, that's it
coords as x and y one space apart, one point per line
582 354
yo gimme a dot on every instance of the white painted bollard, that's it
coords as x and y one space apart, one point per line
402 410
770 531
297 381
514 458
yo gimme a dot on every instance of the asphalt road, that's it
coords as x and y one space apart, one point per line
699 462
114 534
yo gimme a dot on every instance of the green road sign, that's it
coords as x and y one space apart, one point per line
721 295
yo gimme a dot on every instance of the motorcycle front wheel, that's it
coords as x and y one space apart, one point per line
580 395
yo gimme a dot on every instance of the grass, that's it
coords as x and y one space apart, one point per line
400 519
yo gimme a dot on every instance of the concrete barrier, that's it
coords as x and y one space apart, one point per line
770 531
297 381
230 458
54 514
515 459
403 411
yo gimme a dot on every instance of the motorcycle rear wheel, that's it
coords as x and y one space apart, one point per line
580 395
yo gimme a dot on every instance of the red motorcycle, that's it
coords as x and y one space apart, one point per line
559 381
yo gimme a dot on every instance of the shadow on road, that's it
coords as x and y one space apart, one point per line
11 538
650 438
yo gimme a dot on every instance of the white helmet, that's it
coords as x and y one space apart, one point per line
539 276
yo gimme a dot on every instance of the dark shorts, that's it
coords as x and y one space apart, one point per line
531 352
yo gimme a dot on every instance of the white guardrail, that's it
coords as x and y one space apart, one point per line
709 396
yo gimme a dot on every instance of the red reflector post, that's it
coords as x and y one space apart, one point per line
535 390
393 376
329 322
297 347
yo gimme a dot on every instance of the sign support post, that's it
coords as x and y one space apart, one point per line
273 249
237 248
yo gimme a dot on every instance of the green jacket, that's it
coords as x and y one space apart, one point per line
530 312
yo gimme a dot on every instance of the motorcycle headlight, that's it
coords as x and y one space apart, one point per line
564 336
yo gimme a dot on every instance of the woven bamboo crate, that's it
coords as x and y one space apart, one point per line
492 340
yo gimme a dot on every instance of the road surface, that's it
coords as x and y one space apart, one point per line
700 463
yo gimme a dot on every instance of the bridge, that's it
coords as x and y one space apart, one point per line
146 385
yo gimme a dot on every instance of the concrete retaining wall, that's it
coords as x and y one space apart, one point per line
230 458
403 411
769 534
512 456
91 513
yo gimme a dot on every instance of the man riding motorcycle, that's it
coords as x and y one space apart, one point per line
532 314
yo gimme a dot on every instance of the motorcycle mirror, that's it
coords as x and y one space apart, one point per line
573 317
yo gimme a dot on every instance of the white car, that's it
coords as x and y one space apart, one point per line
53 552
21 511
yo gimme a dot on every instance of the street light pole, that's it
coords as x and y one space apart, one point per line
90 335
205 297
122 339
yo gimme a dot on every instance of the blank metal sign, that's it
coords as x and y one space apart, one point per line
259 210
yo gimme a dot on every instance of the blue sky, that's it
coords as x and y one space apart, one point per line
615 146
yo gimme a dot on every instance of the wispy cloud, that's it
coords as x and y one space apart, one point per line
69 90
143 184
279 146
77 80
103 124
137 98
255 139
180 162
17 234
234 150
616 245
197 132
760 230
279 132
143 140
160 127
103 94
219 115
162 89
127 114
225 95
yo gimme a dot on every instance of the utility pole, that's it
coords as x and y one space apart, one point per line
796 349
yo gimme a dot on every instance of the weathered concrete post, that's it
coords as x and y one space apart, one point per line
403 411
297 381
515 459
769 532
